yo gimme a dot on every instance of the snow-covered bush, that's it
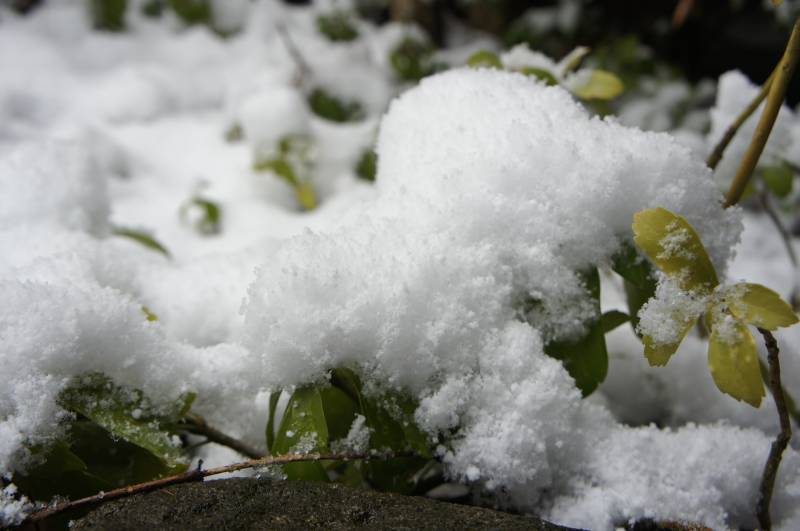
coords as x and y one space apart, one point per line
454 308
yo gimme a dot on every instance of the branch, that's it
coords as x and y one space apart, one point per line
775 97
763 197
303 70
781 440
197 425
198 475
730 132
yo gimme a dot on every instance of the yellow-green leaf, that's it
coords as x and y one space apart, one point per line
759 306
779 179
540 74
306 196
602 85
675 248
659 354
484 59
733 360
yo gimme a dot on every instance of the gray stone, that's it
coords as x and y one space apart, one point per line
260 504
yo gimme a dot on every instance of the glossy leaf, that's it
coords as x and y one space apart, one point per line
126 414
141 237
585 358
613 319
733 360
484 59
675 248
759 306
303 429
602 85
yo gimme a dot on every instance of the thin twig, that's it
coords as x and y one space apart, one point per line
730 132
199 475
197 425
763 197
303 69
791 405
775 97
781 440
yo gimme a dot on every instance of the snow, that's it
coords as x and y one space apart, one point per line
491 189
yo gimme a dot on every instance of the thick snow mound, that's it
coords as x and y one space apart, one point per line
493 189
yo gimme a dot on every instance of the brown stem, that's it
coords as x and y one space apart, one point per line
781 440
197 475
775 97
730 132
197 425
782 230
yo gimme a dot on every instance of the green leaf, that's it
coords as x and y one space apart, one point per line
142 238
484 59
733 360
108 15
303 429
150 316
367 166
540 74
602 85
192 11
612 319
779 179
210 221
303 423
640 282
759 306
412 59
337 26
280 167
328 106
585 358
126 414
675 248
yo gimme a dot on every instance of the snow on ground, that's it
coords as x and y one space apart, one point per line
491 188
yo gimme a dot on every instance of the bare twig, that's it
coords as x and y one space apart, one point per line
781 440
763 197
197 425
303 69
730 132
791 405
775 97
199 475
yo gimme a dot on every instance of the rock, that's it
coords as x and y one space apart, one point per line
256 504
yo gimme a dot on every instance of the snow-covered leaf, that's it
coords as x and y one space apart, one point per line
759 306
675 248
585 358
127 415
